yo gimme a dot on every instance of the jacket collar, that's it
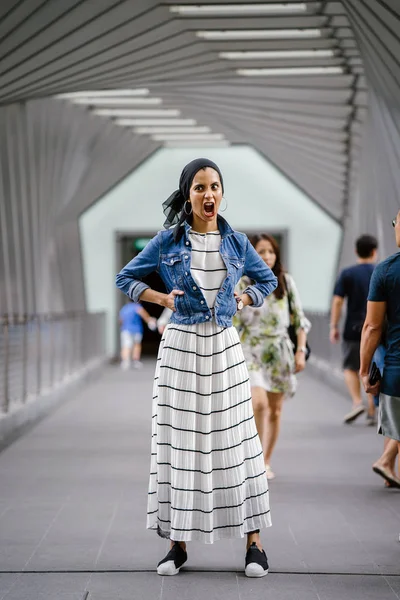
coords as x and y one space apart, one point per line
223 226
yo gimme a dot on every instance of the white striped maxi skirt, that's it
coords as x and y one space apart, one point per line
207 479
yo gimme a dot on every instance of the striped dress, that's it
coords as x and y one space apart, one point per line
207 479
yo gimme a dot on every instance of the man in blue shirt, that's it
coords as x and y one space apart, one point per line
353 284
384 303
131 317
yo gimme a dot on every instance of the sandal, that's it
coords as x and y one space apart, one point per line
394 482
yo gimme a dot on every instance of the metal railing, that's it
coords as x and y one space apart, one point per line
323 352
39 352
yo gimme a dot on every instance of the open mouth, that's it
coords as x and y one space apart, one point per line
209 209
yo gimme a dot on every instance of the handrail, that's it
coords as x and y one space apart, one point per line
321 347
39 352
15 318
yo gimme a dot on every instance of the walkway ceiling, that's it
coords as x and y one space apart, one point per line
227 69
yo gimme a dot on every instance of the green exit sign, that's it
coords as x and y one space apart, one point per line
140 243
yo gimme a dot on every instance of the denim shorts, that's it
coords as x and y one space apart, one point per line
128 339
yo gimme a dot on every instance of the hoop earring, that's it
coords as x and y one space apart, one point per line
184 208
226 205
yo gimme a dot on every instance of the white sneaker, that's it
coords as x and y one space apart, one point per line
171 564
256 562
125 364
137 364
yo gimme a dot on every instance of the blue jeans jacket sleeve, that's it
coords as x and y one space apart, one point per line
256 269
129 280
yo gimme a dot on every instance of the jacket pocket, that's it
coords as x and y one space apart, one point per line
171 266
235 267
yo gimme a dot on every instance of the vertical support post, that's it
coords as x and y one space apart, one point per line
24 322
6 334
38 356
51 346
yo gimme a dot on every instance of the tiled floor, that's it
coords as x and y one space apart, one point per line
73 502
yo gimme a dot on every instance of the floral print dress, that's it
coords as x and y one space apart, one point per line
266 344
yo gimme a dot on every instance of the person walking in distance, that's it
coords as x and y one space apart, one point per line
268 349
131 317
353 285
207 478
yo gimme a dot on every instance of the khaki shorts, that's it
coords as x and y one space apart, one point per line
389 417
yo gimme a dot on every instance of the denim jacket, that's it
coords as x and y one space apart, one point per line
172 260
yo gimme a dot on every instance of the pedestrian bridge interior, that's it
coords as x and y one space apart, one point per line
100 101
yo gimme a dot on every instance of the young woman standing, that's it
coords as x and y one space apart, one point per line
207 479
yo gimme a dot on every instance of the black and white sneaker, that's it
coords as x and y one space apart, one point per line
171 564
256 562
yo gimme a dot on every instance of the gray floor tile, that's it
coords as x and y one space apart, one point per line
24 594
75 540
277 587
125 586
356 587
22 532
215 557
44 586
200 586
7 580
128 544
394 584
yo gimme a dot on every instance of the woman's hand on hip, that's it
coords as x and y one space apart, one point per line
300 361
242 300
169 300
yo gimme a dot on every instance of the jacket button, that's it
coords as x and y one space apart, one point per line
201 301
172 262
186 272
187 243
207 317
194 287
186 256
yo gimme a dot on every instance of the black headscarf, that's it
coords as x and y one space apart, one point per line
173 206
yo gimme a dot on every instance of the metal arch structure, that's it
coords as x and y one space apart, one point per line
335 132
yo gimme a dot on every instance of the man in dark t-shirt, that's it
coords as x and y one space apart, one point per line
384 304
353 284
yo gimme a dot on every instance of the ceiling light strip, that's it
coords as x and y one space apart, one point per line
155 122
258 34
124 101
276 54
174 137
104 93
164 130
197 144
238 9
291 71
137 112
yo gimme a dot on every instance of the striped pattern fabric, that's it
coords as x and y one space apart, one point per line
207 479
207 268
